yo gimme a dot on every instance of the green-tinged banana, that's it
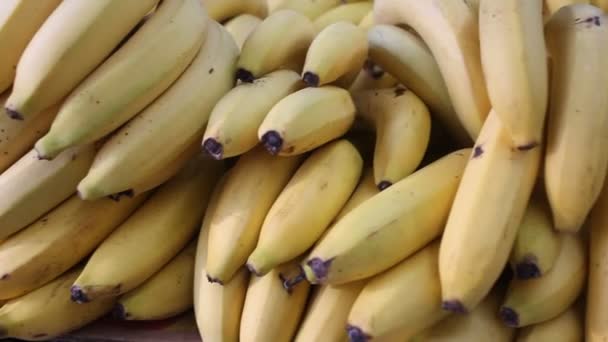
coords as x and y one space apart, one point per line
351 12
552 6
407 297
278 42
537 244
270 313
307 205
365 190
33 186
151 237
166 294
154 138
405 56
336 54
132 78
489 205
450 28
221 10
233 125
568 326
327 314
537 300
368 21
514 61
58 241
240 27
310 8
71 43
576 160
372 77
596 329
403 129
307 119
603 4
389 226
48 312
19 21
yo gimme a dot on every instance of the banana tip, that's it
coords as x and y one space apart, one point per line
244 75
290 283
214 148
527 269
384 185
253 270
273 142
319 268
355 334
509 317
120 312
13 114
77 295
117 196
454 306
311 79
214 280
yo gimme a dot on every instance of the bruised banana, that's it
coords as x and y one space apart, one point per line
351 12
220 10
240 27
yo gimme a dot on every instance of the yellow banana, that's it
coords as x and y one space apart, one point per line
596 329
307 119
131 78
308 204
151 237
537 300
368 21
240 27
220 10
552 6
153 138
233 125
568 326
311 9
372 77
451 31
351 12
576 160
365 190
58 241
71 43
403 130
278 42
487 211
603 4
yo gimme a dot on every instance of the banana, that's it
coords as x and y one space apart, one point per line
220 10
552 6
576 160
19 21
278 42
403 130
48 312
241 27
489 205
265 301
372 77
249 191
451 31
596 329
307 205
365 190
514 62
36 186
153 138
405 56
311 9
351 12
71 43
390 225
151 237
327 313
537 300
568 326
58 241
603 4
537 244
307 119
167 293
131 78
233 125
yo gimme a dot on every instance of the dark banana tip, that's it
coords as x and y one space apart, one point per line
355 334
509 317
273 142
252 270
454 306
117 196
213 148
13 114
311 79
244 75
119 312
373 69
527 270
214 280
77 295
384 185
319 267
289 284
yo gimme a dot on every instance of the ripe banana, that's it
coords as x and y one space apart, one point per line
372 77
37 186
451 31
390 225
403 130
131 78
311 9
552 6
71 43
58 241
487 211
307 119
48 312
576 160
351 12
278 42
603 4
404 55
307 205
537 300
596 329
241 27
365 190
220 10
568 326
151 237
153 138
336 54
19 21
233 125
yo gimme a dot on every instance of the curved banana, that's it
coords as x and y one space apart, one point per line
372 76
233 125
403 131
307 205
576 160
365 190
37 186
220 10
71 43
596 325
552 6
311 9
307 119
278 42
241 27
153 138
451 31
131 78
350 12
568 326
336 54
